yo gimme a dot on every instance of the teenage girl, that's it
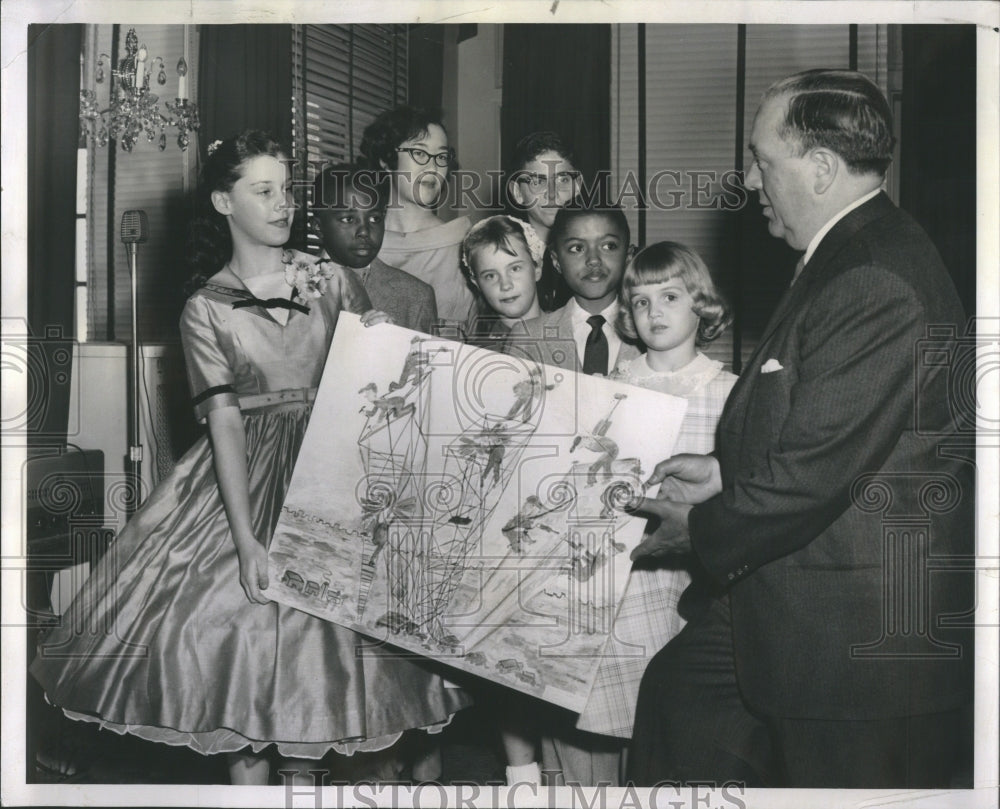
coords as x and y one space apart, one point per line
173 638
412 144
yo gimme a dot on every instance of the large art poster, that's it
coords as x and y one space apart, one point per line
469 506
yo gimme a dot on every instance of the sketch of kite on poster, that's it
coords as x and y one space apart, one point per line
469 506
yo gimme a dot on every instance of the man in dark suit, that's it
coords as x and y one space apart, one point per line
348 204
830 656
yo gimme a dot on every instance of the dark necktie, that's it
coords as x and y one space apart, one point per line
595 354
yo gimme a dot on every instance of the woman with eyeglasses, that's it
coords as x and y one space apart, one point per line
541 180
412 144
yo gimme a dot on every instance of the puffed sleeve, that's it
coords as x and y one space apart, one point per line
210 375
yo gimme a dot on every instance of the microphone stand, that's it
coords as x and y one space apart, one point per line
135 447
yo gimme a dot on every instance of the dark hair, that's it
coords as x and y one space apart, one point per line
659 263
581 208
532 145
332 186
209 242
552 289
841 110
383 136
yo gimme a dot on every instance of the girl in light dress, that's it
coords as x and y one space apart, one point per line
670 304
502 258
412 144
173 637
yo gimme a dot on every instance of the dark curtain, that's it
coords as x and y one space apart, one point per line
558 77
245 81
425 65
53 133
937 182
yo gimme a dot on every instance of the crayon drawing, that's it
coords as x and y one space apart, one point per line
469 506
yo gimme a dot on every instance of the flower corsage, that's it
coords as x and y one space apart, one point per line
306 275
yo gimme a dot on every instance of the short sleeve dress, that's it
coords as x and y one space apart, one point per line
648 616
162 642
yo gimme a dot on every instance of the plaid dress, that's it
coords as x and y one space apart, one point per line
648 617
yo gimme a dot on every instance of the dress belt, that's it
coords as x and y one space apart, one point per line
250 401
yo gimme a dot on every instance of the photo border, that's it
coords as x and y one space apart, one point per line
17 14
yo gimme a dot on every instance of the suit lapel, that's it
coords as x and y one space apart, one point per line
786 305
839 236
378 278
566 328
556 327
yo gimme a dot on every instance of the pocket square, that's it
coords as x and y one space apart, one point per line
771 366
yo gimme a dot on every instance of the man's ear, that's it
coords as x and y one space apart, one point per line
538 271
825 164
555 261
220 201
630 252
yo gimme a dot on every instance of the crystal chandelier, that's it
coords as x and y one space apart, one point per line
133 109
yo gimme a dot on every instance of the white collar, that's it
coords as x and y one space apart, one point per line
579 314
700 365
833 221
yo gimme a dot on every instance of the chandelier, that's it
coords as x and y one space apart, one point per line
133 109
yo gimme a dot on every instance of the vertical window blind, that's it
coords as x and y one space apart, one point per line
693 77
343 77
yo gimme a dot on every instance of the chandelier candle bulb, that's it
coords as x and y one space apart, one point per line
182 70
132 109
140 67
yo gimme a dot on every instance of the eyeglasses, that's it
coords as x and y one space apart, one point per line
422 157
536 182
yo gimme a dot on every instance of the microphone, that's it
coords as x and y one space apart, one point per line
135 227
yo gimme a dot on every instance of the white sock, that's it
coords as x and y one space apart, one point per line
524 774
